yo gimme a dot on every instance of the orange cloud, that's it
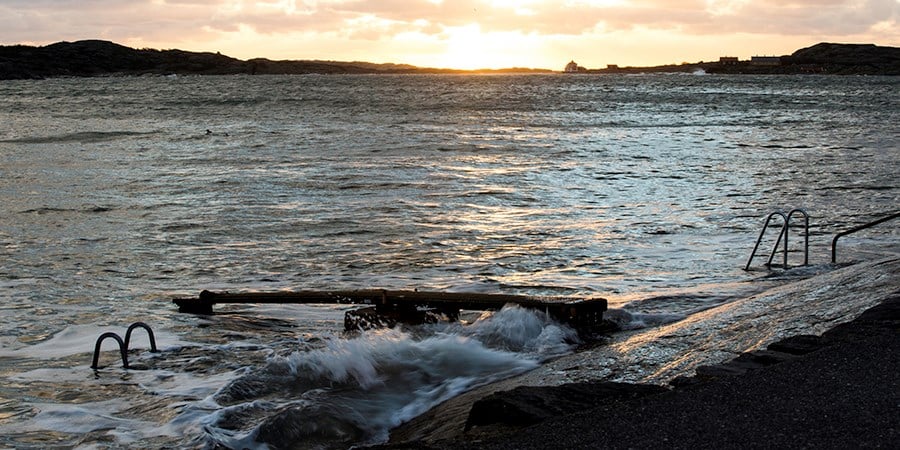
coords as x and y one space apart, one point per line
385 29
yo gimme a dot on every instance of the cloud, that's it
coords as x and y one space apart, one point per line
813 17
37 19
49 20
365 24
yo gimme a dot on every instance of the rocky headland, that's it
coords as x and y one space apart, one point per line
92 58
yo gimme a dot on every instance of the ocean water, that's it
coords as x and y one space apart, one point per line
121 193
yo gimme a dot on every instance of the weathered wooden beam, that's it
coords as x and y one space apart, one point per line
575 311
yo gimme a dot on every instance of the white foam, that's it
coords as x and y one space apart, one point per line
369 383
524 330
631 320
77 419
72 340
79 339
385 377
83 418
187 391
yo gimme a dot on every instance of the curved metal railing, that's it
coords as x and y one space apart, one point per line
854 230
123 344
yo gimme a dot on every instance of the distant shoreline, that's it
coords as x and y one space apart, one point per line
97 58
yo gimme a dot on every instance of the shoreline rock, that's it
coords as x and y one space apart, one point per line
509 411
876 281
528 405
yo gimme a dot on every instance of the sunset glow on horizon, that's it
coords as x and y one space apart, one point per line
465 34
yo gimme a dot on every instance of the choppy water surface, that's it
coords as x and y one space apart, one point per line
640 189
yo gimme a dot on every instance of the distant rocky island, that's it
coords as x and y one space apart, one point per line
92 58
823 58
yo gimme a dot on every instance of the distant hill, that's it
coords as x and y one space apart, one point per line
103 58
847 59
824 58
91 58
97 58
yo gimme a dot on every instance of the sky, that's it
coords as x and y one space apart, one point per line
465 34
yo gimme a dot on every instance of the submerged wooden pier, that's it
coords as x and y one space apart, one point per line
387 307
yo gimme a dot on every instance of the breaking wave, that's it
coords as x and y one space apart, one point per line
630 320
355 390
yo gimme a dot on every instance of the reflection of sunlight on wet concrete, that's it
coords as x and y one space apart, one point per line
804 307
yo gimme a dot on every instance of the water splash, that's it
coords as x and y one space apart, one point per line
355 390
631 320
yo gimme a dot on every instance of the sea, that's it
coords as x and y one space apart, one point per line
119 194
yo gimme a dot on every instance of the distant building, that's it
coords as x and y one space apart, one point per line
765 60
728 60
612 67
573 67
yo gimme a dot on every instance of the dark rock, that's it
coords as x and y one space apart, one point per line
743 363
307 427
797 345
762 358
527 405
883 318
885 315
682 381
880 319
841 393
719 370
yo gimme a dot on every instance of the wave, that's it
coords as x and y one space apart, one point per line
628 320
83 136
50 210
355 390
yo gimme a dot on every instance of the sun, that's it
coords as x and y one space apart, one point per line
465 48
468 47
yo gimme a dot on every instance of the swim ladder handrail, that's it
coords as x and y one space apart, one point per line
805 235
783 234
762 233
149 334
122 349
123 344
854 230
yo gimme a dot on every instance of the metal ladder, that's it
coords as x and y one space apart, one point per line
785 228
